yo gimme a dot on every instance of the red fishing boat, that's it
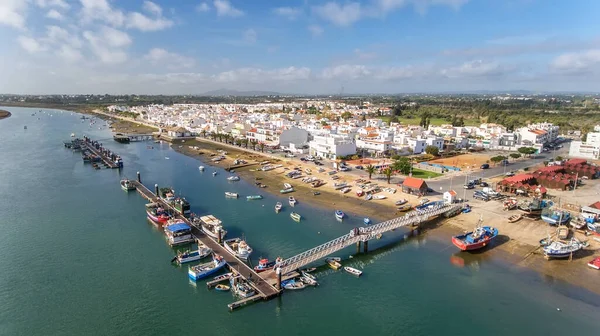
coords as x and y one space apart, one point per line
157 214
595 263
265 265
478 238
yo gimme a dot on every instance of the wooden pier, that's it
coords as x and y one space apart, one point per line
265 289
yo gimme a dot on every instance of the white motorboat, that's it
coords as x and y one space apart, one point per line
352 270
201 168
212 226
379 197
293 284
309 279
189 256
296 216
339 214
201 271
215 173
238 247
292 201
278 207
229 194
345 190
401 202
233 178
287 186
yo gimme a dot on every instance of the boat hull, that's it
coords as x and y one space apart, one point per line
200 275
157 219
243 256
461 242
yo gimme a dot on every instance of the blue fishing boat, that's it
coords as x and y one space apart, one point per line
556 217
202 271
593 227
367 220
339 214
189 256
178 232
253 197
558 249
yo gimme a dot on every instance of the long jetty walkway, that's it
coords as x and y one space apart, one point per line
101 152
265 290
267 284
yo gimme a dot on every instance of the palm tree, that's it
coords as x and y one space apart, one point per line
213 135
253 142
262 146
203 133
245 141
370 169
388 172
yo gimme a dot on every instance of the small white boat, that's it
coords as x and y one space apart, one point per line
201 168
346 190
352 270
215 173
287 186
292 201
72 135
189 256
367 220
293 284
278 207
308 279
166 158
379 197
401 202
238 247
233 178
295 216
339 214
229 194
223 277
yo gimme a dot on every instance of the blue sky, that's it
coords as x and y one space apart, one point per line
298 46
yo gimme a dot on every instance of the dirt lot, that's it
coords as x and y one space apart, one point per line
474 160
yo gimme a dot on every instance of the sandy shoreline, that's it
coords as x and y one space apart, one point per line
517 243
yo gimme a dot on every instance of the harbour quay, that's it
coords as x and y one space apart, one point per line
95 153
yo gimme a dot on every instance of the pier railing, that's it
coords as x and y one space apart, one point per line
362 234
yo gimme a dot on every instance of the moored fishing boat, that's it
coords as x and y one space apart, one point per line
593 228
202 271
166 194
295 216
240 288
157 214
353 271
233 178
308 278
201 168
339 214
367 220
478 238
238 247
265 265
556 217
292 284
178 232
286 191
594 263
558 249
127 185
229 194
182 206
278 207
212 226
292 201
254 197
223 277
334 262
189 256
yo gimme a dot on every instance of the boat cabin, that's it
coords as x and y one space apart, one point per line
179 233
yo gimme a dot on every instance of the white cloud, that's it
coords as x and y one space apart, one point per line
12 13
100 10
288 12
224 8
421 6
315 30
141 22
474 69
577 62
52 3
29 44
69 53
340 15
173 60
257 75
108 45
250 36
54 14
203 7
153 8
346 71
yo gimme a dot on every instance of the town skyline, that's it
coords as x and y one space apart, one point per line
297 46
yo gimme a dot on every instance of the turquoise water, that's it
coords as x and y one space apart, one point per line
77 257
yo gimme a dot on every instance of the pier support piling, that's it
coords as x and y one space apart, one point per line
358 247
278 272
156 190
139 177
365 246
219 235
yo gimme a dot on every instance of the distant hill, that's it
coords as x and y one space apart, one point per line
226 92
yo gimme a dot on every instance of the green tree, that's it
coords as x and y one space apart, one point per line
515 155
527 150
370 169
497 159
261 146
558 158
432 150
403 165
397 110
388 172
346 115
203 133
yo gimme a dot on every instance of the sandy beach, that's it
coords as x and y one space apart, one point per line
518 242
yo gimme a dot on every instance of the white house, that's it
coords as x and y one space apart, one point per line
590 149
331 146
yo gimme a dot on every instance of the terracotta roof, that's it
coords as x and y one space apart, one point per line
577 161
412 182
518 178
452 192
595 205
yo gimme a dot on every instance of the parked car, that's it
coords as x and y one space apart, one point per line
483 184
359 167
469 186
481 196
510 174
485 166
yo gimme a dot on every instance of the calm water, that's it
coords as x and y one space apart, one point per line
77 257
